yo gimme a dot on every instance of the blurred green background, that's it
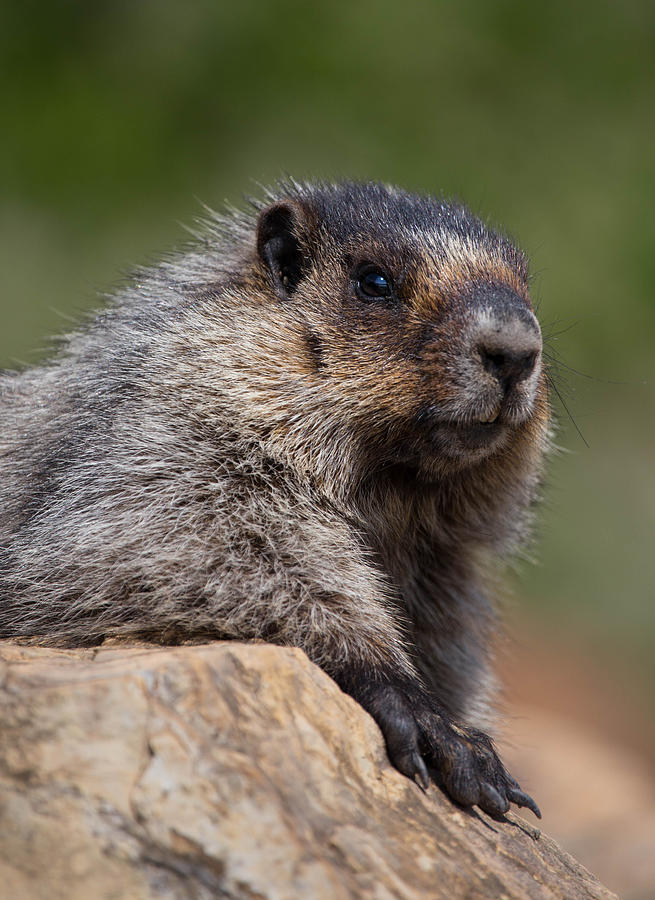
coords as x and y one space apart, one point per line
118 118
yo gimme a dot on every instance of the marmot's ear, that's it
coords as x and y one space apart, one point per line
278 245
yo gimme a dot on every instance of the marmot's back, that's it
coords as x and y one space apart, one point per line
311 427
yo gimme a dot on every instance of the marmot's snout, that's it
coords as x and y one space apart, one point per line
505 347
494 371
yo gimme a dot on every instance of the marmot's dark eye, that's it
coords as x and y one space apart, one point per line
374 284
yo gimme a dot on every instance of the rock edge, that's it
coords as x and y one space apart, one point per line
231 770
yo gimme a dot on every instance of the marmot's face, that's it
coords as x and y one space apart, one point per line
420 324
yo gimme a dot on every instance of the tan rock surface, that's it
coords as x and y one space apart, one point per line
230 770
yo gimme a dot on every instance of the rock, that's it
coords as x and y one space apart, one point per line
231 770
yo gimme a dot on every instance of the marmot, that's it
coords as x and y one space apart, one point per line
315 427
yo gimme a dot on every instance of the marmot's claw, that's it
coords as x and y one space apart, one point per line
421 774
523 799
409 762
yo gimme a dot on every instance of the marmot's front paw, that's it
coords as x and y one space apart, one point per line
470 768
417 731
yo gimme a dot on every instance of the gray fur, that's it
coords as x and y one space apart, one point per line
206 458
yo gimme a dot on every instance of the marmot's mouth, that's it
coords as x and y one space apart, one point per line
465 441
472 435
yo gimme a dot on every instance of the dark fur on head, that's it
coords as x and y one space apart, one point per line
249 442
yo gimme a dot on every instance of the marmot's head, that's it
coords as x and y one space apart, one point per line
417 321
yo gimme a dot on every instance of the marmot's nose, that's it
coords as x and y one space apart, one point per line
507 364
509 347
